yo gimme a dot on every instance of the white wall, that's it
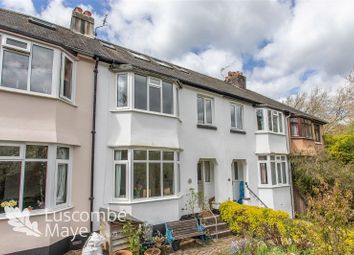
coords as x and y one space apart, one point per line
132 128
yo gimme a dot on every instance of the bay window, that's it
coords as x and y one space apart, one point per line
275 121
236 116
301 128
154 173
25 170
276 167
26 66
152 94
205 110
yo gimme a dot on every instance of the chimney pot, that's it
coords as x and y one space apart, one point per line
87 13
236 79
78 9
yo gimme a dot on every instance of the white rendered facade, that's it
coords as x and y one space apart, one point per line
213 146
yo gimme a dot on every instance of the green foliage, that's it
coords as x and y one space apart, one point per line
310 172
331 213
341 146
134 235
266 224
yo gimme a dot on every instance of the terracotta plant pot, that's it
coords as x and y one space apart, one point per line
123 252
152 251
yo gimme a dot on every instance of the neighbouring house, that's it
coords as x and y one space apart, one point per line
86 121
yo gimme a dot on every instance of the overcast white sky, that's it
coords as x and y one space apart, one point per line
282 46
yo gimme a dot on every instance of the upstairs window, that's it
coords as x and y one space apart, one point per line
153 95
205 110
26 66
66 90
301 128
236 116
317 129
260 119
122 90
275 121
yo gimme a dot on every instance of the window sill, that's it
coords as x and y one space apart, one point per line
211 127
41 212
146 200
269 132
125 109
237 131
35 94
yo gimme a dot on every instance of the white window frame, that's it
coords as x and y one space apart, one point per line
206 98
276 113
73 79
51 175
234 105
129 91
278 158
69 177
127 175
28 51
155 85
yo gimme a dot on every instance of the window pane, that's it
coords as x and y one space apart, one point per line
207 171
14 70
41 70
178 178
284 172
177 102
199 172
120 181
139 180
154 179
239 116
275 122
233 121
63 153
122 90
274 175
168 155
209 118
139 155
140 91
121 155
262 157
260 120
167 95
168 187
68 73
317 133
10 178
279 173
35 185
154 155
9 151
280 122
62 182
270 126
200 110
36 151
16 43
236 177
155 99
294 128
264 174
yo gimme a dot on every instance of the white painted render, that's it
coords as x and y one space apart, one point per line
128 128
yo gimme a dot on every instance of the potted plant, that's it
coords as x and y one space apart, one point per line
134 235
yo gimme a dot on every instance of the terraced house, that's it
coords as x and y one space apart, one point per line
86 124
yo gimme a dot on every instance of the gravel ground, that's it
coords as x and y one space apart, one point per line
210 248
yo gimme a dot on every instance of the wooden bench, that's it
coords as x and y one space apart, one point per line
183 229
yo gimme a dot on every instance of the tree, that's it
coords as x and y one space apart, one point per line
337 109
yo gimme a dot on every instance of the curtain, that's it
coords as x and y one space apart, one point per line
61 183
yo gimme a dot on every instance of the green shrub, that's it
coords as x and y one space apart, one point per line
265 224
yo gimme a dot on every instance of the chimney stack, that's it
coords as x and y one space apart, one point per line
236 79
82 22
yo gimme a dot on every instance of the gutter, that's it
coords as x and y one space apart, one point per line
93 140
288 145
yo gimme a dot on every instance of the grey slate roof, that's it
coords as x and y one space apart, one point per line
77 43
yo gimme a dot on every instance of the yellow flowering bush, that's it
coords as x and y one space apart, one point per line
11 203
265 224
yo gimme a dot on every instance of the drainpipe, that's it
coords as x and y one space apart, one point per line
290 168
93 136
